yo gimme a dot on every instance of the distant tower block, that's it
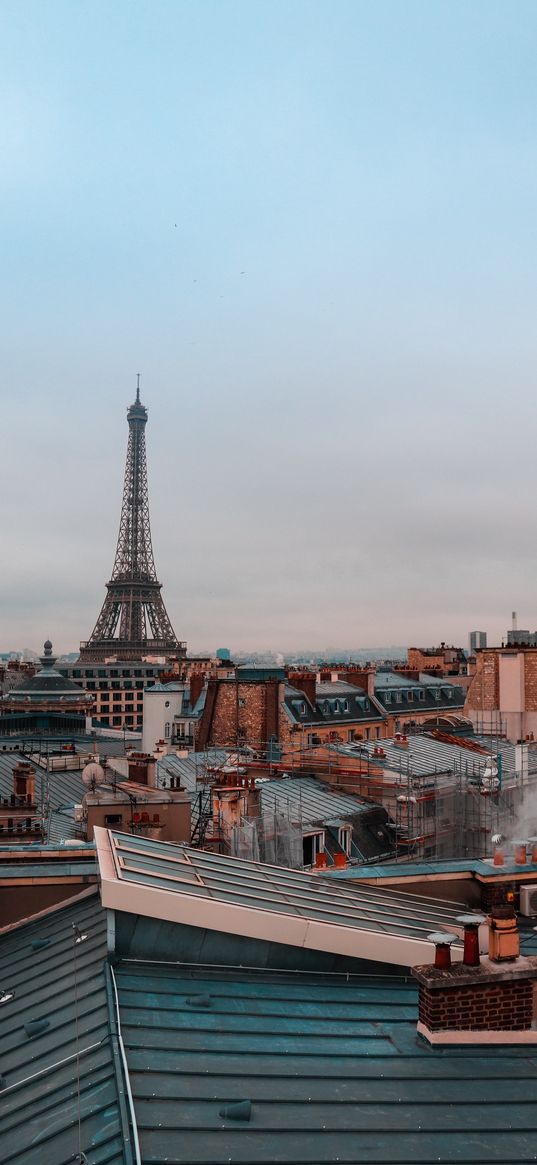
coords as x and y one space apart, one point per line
133 621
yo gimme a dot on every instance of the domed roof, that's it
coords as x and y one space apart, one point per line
46 683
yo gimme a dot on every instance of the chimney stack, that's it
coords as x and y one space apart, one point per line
478 1001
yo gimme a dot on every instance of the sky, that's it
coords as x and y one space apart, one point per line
310 226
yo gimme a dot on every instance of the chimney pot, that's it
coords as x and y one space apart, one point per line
471 924
442 953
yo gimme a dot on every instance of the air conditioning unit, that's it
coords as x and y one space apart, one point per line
528 900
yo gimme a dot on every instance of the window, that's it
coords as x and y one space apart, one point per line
105 720
410 697
437 693
350 734
449 693
114 672
116 720
137 671
139 683
88 673
125 673
115 684
76 673
113 819
345 705
91 685
398 697
312 844
367 733
387 697
128 684
302 709
103 685
129 719
167 730
377 733
101 672
344 838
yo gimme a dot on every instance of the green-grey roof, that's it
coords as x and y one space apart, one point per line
332 1069
61 983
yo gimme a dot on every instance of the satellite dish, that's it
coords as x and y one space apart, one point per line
93 775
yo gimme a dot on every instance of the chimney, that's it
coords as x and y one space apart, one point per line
197 682
362 678
142 768
24 782
304 681
486 1000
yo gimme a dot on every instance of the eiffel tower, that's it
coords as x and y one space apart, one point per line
133 604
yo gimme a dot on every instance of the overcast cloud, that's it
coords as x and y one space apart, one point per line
310 224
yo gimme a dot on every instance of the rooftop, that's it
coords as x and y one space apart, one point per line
179 884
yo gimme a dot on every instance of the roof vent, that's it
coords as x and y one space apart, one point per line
36 1027
240 1111
38 944
199 1001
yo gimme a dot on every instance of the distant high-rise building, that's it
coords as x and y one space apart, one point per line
478 640
133 622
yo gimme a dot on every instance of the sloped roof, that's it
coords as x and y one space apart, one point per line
331 1066
60 982
308 800
218 893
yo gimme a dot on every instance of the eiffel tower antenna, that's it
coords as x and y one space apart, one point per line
133 621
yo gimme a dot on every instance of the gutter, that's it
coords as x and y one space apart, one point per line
126 1106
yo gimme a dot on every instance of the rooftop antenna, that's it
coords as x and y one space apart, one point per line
137 388
513 621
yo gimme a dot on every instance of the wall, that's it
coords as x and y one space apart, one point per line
159 709
502 696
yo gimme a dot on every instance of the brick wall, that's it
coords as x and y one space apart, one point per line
483 693
484 1007
247 712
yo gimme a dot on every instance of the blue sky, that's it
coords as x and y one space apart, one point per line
311 227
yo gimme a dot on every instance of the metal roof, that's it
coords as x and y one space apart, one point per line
307 799
424 755
62 984
189 768
327 1070
230 895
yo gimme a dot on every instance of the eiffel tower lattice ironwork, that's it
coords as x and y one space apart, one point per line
133 606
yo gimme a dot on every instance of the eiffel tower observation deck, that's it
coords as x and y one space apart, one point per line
133 622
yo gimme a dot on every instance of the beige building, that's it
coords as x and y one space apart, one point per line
502 697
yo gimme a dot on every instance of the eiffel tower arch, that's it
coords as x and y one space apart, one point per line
133 621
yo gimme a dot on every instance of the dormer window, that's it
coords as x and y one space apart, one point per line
388 697
345 705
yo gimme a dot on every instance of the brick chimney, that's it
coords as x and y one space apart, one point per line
142 768
305 681
24 782
487 1000
361 678
196 687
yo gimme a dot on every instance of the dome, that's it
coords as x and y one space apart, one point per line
47 683
93 773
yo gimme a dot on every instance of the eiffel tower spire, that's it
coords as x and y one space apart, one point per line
133 621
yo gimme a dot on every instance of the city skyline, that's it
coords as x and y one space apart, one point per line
310 229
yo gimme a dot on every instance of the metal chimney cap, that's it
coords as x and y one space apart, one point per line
441 939
471 919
